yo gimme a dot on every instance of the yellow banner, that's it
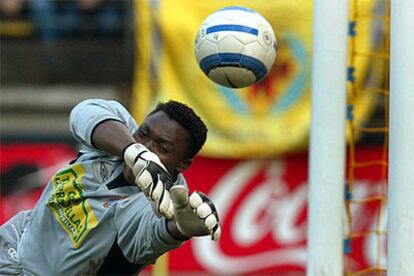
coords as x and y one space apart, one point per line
266 119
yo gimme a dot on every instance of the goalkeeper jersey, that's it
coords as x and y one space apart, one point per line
89 220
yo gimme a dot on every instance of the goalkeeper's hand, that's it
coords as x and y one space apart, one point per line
195 215
151 176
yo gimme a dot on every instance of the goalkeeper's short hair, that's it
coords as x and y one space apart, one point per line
189 120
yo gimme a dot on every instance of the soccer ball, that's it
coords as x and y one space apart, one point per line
235 47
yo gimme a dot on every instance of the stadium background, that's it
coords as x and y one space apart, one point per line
56 53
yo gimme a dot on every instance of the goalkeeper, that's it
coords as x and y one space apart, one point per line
121 204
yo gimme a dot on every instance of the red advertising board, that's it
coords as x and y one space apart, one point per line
263 209
25 168
262 206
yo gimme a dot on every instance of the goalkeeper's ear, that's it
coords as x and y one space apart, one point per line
183 165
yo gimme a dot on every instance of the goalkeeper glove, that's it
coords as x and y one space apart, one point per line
151 177
195 215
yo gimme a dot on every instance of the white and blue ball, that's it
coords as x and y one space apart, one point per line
235 47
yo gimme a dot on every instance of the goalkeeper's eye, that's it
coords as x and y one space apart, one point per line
142 133
164 149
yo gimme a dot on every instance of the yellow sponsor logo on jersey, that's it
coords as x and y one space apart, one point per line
72 210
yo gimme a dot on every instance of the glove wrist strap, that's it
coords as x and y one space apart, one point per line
132 152
182 231
125 148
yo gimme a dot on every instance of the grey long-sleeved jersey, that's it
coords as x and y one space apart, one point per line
89 219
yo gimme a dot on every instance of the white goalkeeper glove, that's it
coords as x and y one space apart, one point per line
195 215
151 177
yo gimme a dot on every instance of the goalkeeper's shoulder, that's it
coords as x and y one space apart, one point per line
87 115
91 106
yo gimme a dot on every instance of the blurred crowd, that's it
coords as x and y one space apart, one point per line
53 19
61 41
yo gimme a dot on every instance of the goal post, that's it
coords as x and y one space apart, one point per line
401 147
327 138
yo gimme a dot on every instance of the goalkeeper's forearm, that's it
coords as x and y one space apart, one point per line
112 136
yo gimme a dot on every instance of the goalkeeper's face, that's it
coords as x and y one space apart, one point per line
167 139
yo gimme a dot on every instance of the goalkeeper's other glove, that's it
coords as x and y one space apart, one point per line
195 215
151 176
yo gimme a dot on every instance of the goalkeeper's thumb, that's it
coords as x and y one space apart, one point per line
195 215
179 196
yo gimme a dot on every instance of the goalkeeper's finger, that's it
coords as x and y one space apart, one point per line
206 210
203 210
216 233
161 197
157 190
139 167
144 182
165 206
210 222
